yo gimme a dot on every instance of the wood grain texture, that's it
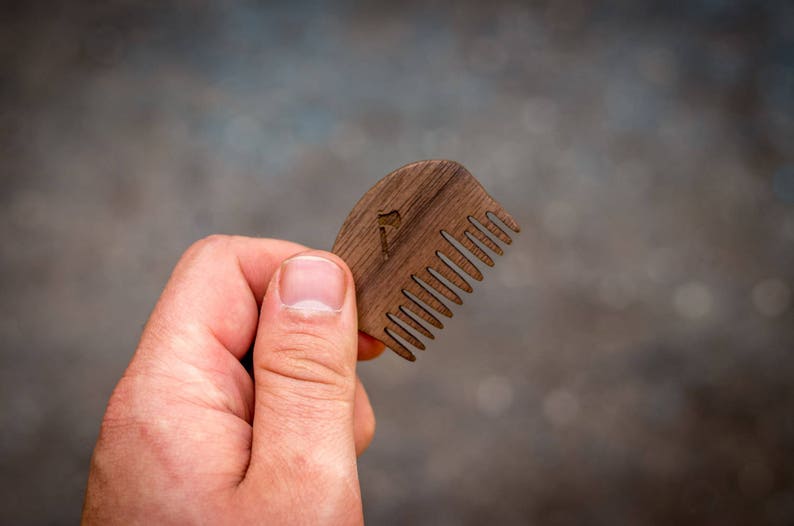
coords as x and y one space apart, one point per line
400 243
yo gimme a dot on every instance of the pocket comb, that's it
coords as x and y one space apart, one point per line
411 240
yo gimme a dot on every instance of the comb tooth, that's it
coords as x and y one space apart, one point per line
507 219
403 333
452 276
472 247
423 294
483 238
458 258
397 347
406 315
420 311
495 230
440 286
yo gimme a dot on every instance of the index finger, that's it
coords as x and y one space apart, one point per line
217 288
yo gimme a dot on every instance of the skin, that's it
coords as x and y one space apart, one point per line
189 437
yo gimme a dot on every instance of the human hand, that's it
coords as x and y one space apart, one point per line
189 437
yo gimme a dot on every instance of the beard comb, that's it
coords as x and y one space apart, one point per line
411 240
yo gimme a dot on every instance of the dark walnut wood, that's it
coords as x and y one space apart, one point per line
400 243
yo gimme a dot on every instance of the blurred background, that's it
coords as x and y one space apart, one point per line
629 360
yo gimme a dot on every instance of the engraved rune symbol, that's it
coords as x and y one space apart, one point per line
390 219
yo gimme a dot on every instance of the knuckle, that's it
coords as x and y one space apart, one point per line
314 359
208 247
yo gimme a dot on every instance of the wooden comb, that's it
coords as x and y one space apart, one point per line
403 240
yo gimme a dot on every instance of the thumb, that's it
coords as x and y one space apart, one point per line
305 384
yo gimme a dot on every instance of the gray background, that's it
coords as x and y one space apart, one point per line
628 361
